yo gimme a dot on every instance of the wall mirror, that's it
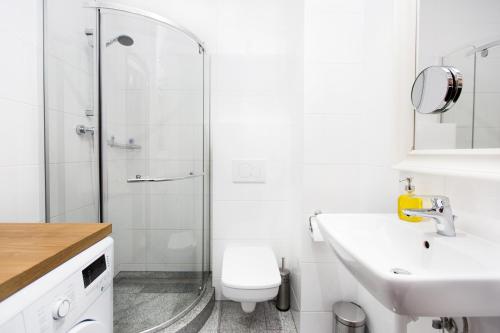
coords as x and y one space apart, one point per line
465 35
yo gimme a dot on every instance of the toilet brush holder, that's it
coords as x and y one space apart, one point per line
283 298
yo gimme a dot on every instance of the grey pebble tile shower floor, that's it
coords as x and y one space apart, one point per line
227 317
145 299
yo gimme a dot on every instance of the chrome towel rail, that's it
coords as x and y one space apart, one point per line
130 145
140 179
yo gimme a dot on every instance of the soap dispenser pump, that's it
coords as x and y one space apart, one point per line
409 200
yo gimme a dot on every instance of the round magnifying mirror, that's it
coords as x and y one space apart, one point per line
436 89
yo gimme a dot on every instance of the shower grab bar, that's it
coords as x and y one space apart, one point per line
139 179
130 145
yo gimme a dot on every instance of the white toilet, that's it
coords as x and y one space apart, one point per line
250 274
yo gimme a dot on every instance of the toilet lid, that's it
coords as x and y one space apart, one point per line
250 267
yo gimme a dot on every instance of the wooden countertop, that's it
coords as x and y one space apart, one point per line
30 250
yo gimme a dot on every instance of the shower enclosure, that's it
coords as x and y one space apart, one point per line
127 128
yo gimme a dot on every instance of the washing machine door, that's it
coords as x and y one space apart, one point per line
88 326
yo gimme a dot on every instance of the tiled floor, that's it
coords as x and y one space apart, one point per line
227 317
146 299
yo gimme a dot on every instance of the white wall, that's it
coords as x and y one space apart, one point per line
256 107
21 166
350 143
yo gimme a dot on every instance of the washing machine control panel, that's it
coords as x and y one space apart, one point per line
94 270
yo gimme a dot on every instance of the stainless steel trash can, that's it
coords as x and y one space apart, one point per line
349 318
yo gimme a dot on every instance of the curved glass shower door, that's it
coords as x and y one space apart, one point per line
152 125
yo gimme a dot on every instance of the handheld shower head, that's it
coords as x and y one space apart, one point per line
122 39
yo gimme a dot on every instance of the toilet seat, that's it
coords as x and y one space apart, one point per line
250 267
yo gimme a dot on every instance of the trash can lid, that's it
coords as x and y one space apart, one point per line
349 314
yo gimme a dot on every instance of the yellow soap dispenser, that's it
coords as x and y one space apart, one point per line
409 200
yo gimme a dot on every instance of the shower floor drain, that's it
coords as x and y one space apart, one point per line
400 271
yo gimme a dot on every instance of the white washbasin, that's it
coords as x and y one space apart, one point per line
455 276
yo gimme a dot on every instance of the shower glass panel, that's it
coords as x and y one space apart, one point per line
72 159
153 166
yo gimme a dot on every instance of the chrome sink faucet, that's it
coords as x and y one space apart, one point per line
440 212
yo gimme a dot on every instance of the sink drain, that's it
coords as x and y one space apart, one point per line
400 271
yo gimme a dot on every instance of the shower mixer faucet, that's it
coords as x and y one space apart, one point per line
82 130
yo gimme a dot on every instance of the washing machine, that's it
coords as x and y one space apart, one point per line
76 297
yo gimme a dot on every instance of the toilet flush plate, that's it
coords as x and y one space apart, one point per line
249 171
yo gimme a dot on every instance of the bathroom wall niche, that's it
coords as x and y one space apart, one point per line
464 34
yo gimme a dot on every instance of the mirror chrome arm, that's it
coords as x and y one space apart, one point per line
440 212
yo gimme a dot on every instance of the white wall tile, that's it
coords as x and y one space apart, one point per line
333 37
169 104
321 322
68 87
20 68
25 17
332 139
168 246
379 318
86 214
20 194
379 189
72 186
249 74
268 141
175 211
126 211
326 284
256 27
252 108
331 188
332 88
251 220
21 134
131 246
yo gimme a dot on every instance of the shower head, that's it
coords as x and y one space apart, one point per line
122 39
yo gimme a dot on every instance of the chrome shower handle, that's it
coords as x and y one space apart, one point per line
82 130
139 179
